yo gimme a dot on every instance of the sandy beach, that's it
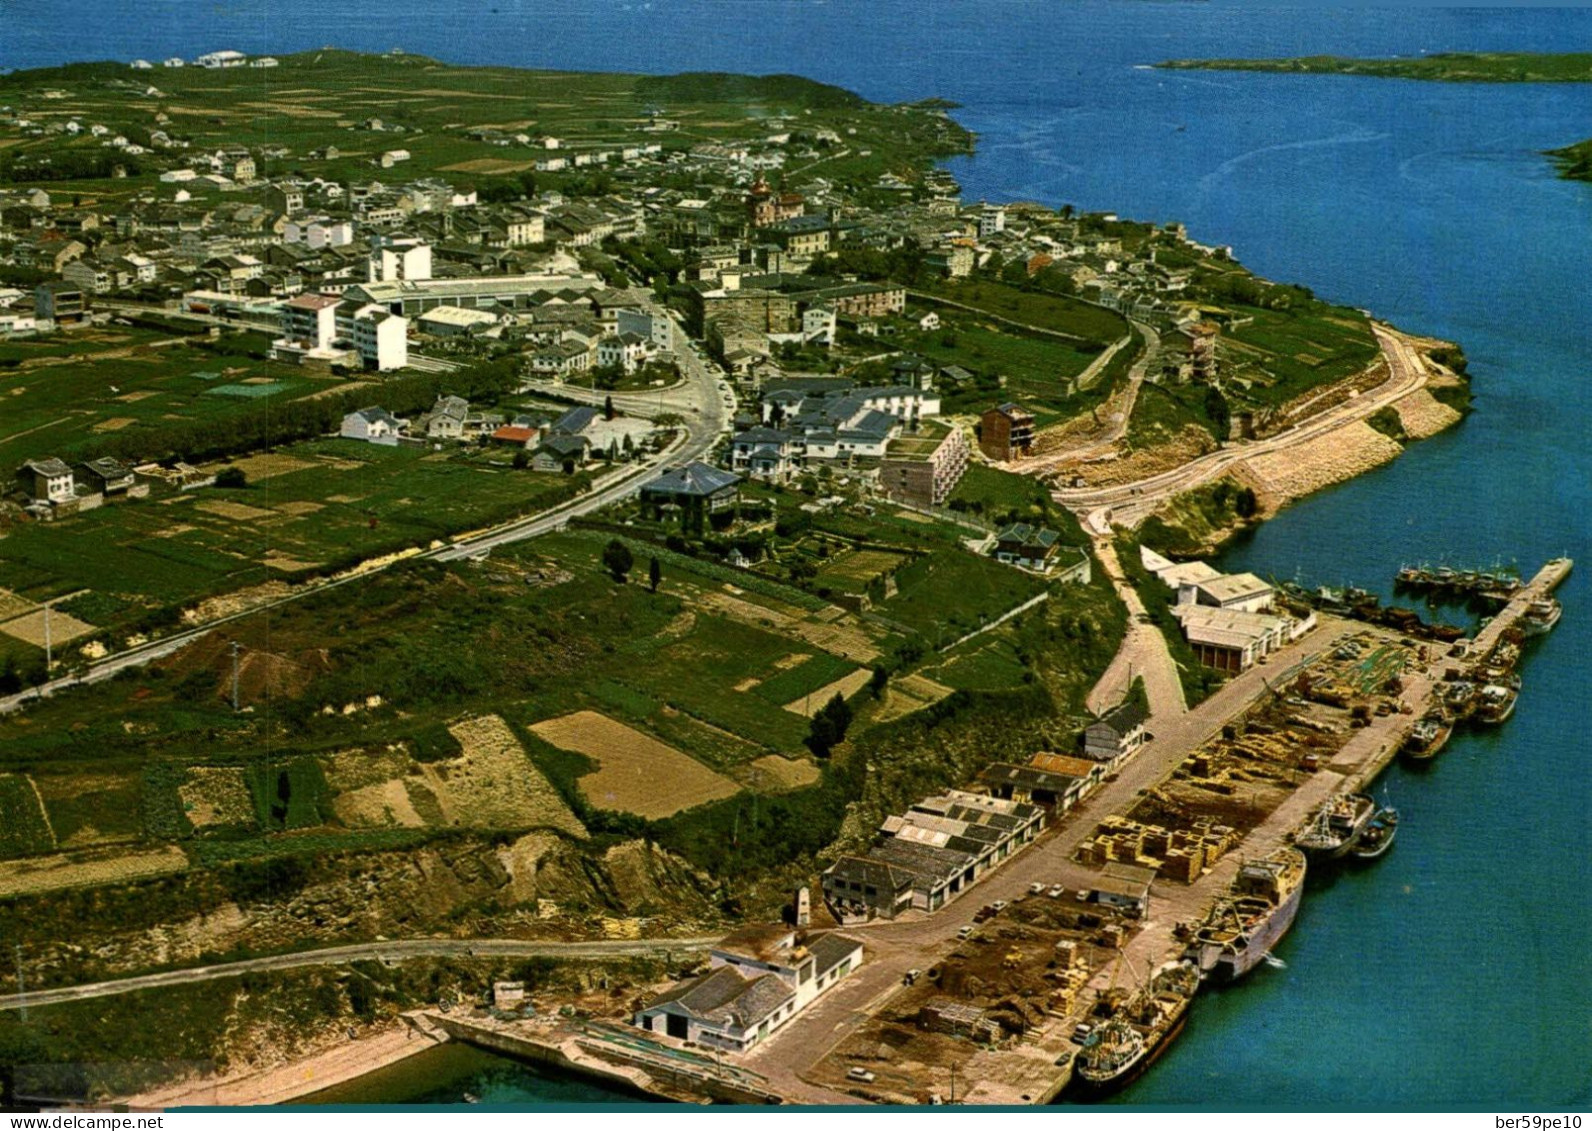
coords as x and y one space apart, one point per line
281 1083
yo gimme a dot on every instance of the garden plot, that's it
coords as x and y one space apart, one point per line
845 687
774 774
53 873
493 783
29 628
24 828
635 772
372 789
217 797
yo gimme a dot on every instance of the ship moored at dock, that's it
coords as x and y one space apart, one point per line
1243 926
1336 826
1121 1048
1377 836
1428 737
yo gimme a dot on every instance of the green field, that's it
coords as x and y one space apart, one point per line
329 504
952 592
1056 313
1287 353
73 392
330 97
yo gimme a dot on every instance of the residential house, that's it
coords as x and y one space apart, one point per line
1026 545
1116 735
769 454
107 475
627 351
48 481
560 451
445 420
1006 433
60 302
374 425
694 491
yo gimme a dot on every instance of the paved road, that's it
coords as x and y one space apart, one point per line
703 399
1143 651
1127 503
394 951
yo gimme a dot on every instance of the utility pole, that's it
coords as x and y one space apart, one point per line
21 990
49 650
953 1082
235 649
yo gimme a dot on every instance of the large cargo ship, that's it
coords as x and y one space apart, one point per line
1335 827
1256 913
1134 1036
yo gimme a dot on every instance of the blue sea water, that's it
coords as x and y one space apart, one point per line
1456 970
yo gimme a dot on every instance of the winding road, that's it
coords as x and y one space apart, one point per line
392 951
1125 504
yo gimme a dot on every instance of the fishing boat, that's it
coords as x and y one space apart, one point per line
1540 617
1332 831
1495 703
1377 836
1122 1047
1242 927
1428 737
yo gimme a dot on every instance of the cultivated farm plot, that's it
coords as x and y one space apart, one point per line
59 871
377 789
217 797
854 570
845 687
319 501
635 772
24 827
774 774
494 785
30 628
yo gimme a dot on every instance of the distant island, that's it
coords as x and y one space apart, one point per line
1575 161
1456 66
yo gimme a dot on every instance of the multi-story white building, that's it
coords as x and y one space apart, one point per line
316 232
380 336
396 258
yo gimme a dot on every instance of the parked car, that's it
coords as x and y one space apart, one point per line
861 1075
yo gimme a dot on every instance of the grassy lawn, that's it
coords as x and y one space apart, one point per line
1053 312
951 592
1284 354
119 382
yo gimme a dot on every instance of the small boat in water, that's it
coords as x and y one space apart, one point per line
1541 616
1336 825
1377 836
1495 703
1428 737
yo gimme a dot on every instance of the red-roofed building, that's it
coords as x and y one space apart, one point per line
513 436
